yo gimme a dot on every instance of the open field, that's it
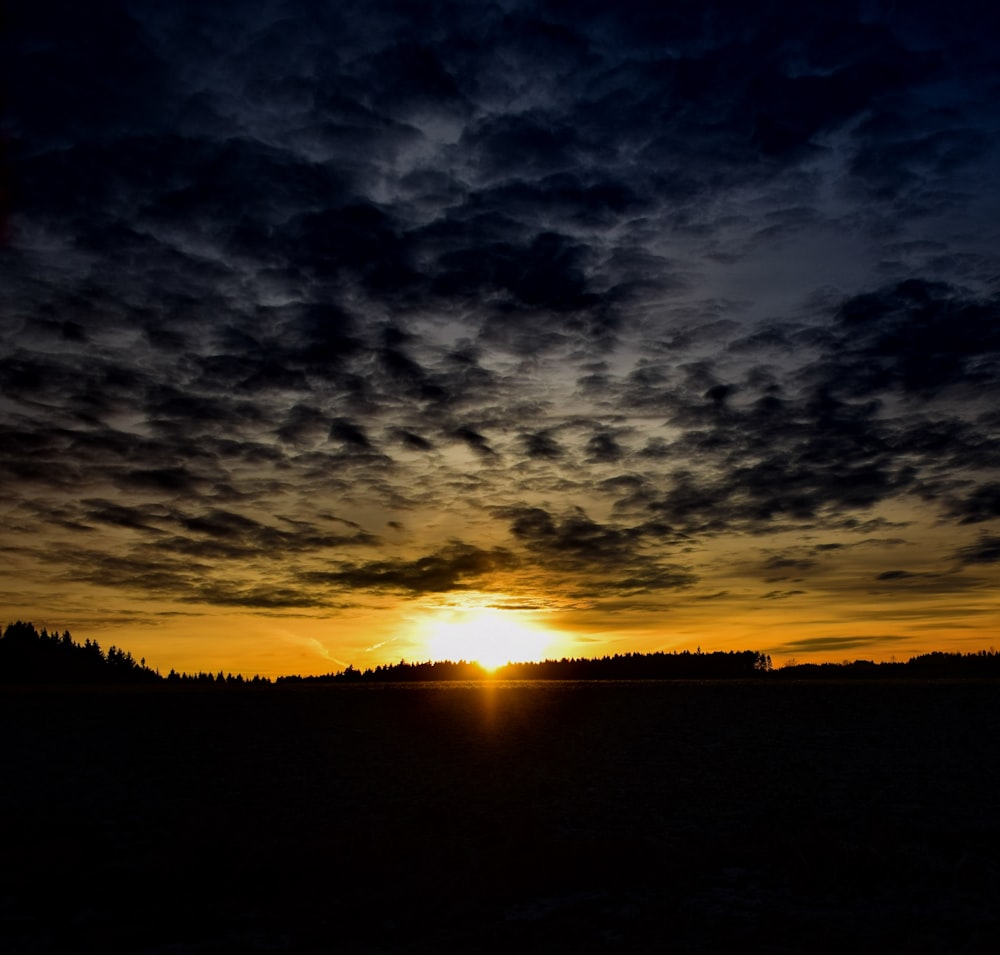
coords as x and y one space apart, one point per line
559 817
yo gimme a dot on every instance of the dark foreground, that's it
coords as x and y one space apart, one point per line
570 817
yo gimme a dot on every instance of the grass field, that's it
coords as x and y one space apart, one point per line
543 817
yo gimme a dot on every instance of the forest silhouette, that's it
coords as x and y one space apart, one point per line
32 656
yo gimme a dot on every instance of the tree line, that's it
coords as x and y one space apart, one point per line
732 664
31 656
680 665
981 664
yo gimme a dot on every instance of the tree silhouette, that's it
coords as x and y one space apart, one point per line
31 656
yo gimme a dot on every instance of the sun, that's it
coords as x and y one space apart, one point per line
489 637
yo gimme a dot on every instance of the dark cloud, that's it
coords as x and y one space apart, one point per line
407 373
225 535
456 566
565 196
320 336
357 241
597 556
218 534
786 564
546 272
61 96
475 441
604 447
918 336
414 442
206 557
986 550
171 480
894 575
836 644
135 518
162 577
266 597
409 76
304 424
801 478
349 433
897 154
982 504
781 594
542 445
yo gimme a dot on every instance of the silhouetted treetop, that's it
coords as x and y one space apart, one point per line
28 655
684 665
627 666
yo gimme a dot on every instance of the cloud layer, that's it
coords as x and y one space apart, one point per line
304 304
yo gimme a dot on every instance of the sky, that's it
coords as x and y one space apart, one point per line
337 334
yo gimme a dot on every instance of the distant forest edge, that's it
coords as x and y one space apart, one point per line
683 665
30 656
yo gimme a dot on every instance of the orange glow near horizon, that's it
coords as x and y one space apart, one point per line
494 626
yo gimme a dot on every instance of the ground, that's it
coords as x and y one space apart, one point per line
567 817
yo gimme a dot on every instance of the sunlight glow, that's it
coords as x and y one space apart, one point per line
489 637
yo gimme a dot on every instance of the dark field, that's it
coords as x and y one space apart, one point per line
567 817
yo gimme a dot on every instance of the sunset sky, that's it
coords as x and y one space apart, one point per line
342 333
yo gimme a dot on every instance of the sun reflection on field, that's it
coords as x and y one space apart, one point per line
490 637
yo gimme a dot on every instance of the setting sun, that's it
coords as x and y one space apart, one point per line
489 637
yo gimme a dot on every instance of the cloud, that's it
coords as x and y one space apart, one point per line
264 597
61 84
985 551
475 441
541 445
456 566
213 558
982 504
836 644
895 575
671 277
918 336
170 480
304 425
788 564
414 442
604 447
781 594
117 515
596 557
161 576
349 433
